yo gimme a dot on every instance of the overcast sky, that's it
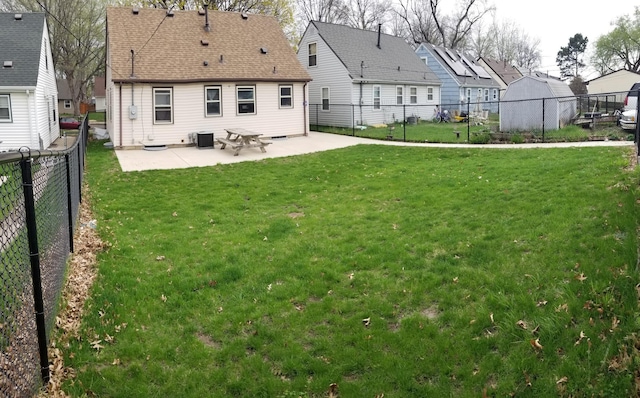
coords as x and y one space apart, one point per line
555 21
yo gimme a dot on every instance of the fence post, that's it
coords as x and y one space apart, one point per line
404 124
67 165
637 133
543 103
468 123
34 255
353 121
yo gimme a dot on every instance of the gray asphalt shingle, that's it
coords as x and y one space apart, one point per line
394 61
20 43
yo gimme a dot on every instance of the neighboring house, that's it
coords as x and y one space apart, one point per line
171 74
65 99
501 71
99 96
616 84
465 84
534 103
28 94
364 77
536 73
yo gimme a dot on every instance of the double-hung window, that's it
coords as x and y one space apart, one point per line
246 96
213 100
495 94
286 96
399 95
5 108
67 104
325 99
162 105
413 95
376 97
313 54
486 95
429 94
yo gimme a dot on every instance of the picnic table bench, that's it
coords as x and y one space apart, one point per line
238 138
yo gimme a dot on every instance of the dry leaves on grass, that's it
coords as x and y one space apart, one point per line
80 277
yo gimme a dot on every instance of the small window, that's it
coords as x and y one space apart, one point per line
486 95
479 97
313 61
325 98
424 59
5 108
67 104
162 105
468 95
376 97
286 96
429 93
213 101
246 100
399 95
413 95
495 94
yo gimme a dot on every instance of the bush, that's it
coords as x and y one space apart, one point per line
517 139
480 138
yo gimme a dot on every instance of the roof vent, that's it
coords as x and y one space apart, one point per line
170 12
244 15
8 64
17 17
135 10
263 50
201 11
205 63
204 42
221 58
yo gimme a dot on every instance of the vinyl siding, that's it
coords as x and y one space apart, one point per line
619 81
46 98
389 111
16 133
188 106
328 72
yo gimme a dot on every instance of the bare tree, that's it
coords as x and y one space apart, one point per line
456 28
331 11
76 29
367 14
419 24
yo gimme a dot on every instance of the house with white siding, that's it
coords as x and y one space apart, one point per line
171 74
466 85
364 77
615 84
28 93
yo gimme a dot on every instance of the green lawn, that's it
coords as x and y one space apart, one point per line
427 131
408 272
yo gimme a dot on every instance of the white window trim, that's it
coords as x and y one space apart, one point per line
280 96
314 54
495 94
67 104
468 95
328 98
479 97
486 95
170 106
10 120
400 96
413 98
238 101
425 60
379 97
207 101
429 94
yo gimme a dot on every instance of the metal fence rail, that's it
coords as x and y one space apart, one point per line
538 119
40 193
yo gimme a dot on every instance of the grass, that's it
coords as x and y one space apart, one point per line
387 270
427 131
97 116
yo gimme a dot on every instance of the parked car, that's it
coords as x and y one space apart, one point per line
69 123
628 119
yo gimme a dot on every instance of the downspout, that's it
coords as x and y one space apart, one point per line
360 101
29 113
120 113
305 108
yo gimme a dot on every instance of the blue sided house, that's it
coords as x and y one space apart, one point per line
466 85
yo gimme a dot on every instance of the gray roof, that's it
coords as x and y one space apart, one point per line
20 43
393 62
64 92
463 67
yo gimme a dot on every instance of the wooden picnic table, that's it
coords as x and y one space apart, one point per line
239 138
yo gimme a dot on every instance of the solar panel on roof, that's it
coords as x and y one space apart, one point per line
479 70
456 66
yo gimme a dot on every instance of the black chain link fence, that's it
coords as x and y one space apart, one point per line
527 120
40 193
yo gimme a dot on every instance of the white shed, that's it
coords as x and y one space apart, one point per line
535 103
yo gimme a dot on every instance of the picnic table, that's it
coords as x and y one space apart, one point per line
239 138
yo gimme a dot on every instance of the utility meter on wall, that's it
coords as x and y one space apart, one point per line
133 112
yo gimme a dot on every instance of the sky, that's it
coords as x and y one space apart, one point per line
555 21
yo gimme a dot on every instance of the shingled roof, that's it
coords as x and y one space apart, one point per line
393 61
20 44
177 48
503 69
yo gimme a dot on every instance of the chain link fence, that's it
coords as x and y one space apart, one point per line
40 194
552 119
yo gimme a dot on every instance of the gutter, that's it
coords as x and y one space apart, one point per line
120 114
